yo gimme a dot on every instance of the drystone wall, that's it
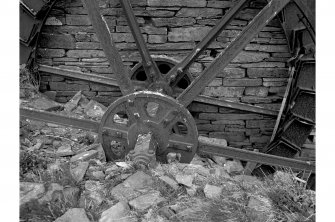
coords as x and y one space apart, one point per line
172 28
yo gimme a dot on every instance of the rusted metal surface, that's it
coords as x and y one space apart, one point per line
111 52
132 115
49 117
150 67
33 14
235 105
177 73
206 147
232 50
144 152
78 75
283 103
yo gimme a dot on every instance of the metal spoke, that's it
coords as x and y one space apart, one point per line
59 119
150 67
232 50
177 72
111 52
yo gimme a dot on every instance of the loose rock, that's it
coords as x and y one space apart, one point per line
145 201
65 150
78 172
259 209
85 156
73 215
117 213
185 179
169 181
233 167
212 191
49 194
30 191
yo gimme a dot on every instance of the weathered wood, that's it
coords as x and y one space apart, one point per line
232 50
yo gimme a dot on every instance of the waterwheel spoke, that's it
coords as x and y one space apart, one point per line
232 50
108 46
152 72
177 72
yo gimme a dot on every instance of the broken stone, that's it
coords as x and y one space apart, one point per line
185 179
87 148
71 195
95 191
123 165
212 192
111 169
138 180
145 201
122 193
43 103
65 150
78 172
192 190
53 187
219 171
220 160
50 95
191 169
233 167
169 181
73 215
37 146
94 109
85 156
117 213
98 175
30 191
73 103
248 181
259 209
166 212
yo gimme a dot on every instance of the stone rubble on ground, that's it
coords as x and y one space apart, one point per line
122 193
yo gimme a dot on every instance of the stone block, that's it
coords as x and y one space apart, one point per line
175 3
256 91
199 12
200 107
256 99
55 41
77 20
232 73
157 38
53 21
245 57
267 48
124 37
85 53
62 86
267 72
88 45
219 116
278 90
216 82
267 64
188 34
73 215
229 136
221 91
220 4
50 53
229 122
260 139
229 33
210 127
117 212
260 123
276 83
160 13
242 82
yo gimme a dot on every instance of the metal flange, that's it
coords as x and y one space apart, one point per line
171 125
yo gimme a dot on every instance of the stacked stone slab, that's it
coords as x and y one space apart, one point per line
258 75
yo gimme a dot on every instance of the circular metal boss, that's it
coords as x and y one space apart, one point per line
172 126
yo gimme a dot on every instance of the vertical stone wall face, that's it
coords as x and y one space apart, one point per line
172 28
